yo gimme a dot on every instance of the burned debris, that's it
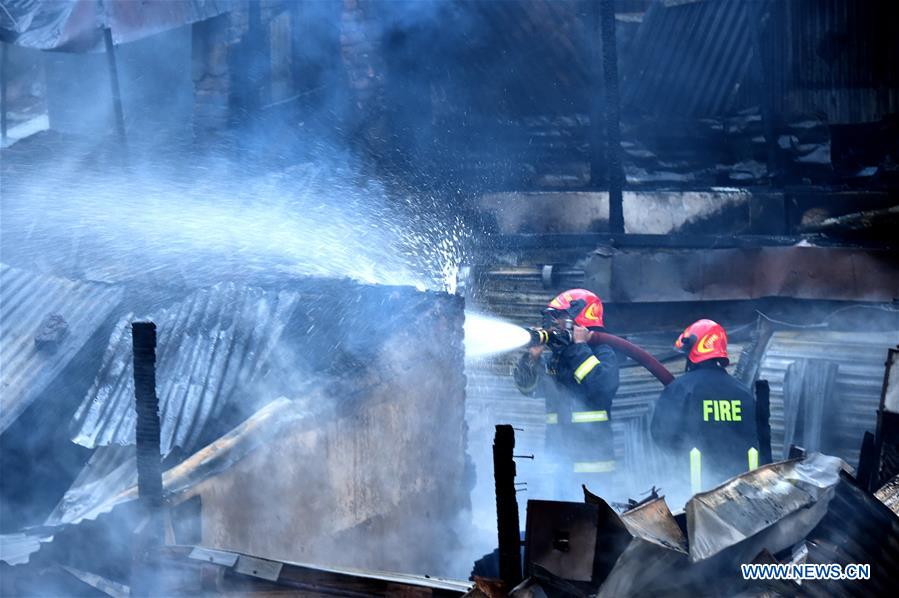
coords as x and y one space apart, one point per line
801 511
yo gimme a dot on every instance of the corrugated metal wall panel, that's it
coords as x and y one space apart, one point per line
859 380
517 293
835 59
26 299
689 59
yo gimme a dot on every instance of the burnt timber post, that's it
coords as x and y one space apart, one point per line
149 462
506 507
763 420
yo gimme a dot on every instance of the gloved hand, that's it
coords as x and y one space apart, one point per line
559 339
525 373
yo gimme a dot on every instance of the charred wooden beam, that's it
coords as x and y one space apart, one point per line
149 463
506 507
762 420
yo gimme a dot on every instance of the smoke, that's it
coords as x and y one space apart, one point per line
269 200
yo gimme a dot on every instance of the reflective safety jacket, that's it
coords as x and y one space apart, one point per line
579 384
705 420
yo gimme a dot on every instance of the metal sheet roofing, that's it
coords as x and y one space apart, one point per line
858 528
78 26
16 549
110 478
26 299
210 346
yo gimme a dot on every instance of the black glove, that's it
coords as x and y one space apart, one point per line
559 339
525 374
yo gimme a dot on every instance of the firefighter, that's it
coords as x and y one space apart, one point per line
578 382
705 420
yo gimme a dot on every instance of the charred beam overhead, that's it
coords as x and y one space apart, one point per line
699 241
613 115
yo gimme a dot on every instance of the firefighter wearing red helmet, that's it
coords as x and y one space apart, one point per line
578 382
705 420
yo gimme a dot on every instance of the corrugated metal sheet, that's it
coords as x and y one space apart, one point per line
742 517
840 58
518 294
26 299
210 346
16 549
858 528
859 382
110 478
77 26
111 471
689 59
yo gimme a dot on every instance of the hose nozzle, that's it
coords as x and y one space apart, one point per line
554 338
539 336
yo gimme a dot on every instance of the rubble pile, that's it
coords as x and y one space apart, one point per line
804 511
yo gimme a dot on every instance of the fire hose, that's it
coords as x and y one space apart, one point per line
542 336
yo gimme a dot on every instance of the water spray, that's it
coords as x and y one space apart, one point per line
487 336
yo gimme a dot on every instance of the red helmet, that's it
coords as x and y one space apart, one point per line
703 340
581 305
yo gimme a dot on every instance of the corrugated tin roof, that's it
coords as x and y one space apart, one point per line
858 384
210 346
743 515
841 59
858 528
689 59
16 549
77 26
110 478
26 299
110 471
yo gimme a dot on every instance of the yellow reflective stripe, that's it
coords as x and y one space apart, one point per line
552 418
584 417
594 466
585 368
695 470
753 456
